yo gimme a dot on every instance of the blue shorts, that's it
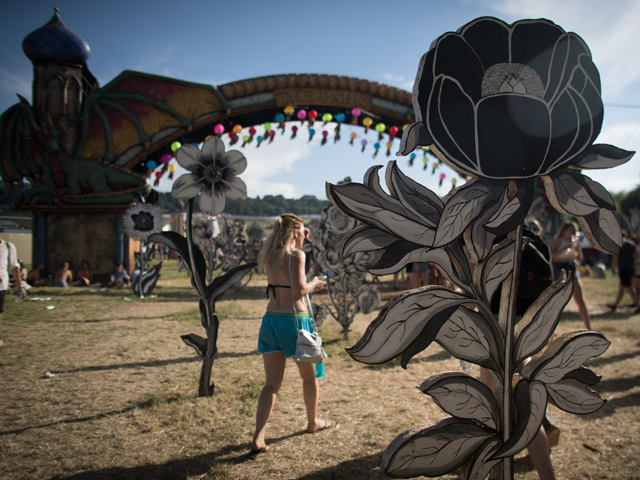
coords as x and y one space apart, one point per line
278 334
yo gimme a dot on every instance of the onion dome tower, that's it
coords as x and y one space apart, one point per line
59 58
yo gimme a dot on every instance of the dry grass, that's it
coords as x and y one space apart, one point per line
123 403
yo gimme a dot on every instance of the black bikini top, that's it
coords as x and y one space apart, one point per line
273 289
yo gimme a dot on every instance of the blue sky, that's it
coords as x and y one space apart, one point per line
217 42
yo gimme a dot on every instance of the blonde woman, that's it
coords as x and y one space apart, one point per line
566 254
278 334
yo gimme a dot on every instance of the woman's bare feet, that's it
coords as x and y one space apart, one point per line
319 425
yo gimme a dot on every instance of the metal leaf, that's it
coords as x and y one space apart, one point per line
479 241
495 269
413 196
513 213
382 212
149 280
221 284
604 156
573 396
567 195
364 239
395 257
541 318
600 194
602 230
462 208
568 352
482 464
530 399
433 450
198 343
468 336
177 242
583 375
401 321
463 396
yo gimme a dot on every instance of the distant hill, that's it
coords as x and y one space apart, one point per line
267 206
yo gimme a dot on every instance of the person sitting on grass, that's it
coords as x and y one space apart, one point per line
34 278
84 277
119 277
62 276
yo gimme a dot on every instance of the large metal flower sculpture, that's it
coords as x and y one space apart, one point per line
504 104
508 103
213 174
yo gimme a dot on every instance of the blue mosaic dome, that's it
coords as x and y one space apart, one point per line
55 42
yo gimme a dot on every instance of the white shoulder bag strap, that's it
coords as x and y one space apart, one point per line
309 308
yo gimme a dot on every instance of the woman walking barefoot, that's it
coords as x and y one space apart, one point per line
278 334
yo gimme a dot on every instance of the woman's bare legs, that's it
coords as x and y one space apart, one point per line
274 364
582 308
311 394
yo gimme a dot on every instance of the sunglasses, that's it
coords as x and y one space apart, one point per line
306 233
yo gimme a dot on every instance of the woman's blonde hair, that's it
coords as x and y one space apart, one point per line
565 226
279 242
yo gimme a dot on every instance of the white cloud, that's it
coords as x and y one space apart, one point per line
264 165
398 81
609 28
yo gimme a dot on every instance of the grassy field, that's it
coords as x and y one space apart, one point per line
122 401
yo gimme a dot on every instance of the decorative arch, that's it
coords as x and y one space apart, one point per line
137 114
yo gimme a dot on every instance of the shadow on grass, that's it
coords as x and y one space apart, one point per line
609 408
152 363
71 420
181 469
599 361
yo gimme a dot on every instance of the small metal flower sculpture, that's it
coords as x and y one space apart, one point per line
505 104
141 221
345 283
214 178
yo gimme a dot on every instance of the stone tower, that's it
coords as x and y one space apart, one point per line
59 62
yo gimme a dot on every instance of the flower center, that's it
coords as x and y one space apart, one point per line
143 221
511 78
212 173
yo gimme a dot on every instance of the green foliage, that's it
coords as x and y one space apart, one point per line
268 206
627 200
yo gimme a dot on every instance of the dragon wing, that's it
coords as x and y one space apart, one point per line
20 157
137 113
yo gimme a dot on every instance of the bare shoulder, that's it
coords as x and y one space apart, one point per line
298 254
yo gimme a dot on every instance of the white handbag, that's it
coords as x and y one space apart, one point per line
309 344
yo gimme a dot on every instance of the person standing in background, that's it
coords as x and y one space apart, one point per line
625 261
9 261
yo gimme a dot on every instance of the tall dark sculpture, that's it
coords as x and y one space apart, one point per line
212 178
505 104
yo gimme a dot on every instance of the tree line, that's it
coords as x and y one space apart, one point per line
267 206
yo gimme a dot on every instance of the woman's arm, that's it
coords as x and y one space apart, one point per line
299 284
